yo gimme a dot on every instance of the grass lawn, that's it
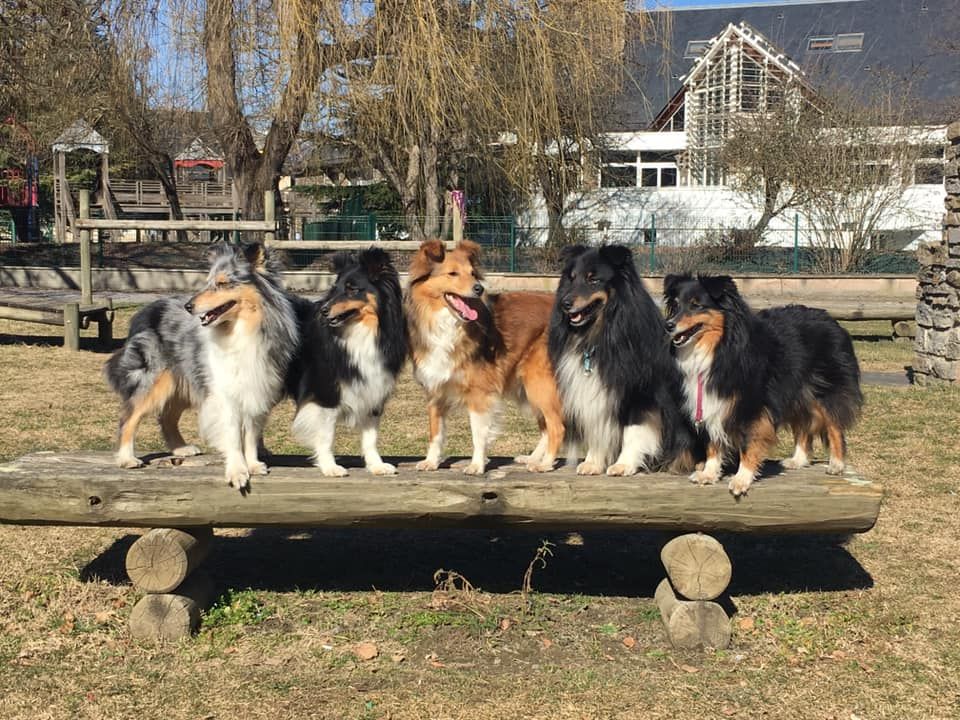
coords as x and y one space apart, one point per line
824 629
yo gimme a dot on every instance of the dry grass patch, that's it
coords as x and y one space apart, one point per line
823 629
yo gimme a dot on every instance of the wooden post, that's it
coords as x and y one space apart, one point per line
697 565
457 223
86 290
162 559
172 616
269 215
105 326
692 624
71 326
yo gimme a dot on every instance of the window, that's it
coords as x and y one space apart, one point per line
820 44
849 42
658 169
839 43
928 169
618 169
751 83
695 48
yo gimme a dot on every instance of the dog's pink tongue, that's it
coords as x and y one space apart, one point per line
468 312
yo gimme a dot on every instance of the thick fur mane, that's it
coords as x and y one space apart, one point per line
629 343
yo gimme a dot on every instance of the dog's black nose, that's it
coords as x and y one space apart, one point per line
566 303
671 326
478 289
189 307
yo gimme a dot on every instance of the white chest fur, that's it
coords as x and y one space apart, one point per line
588 403
363 395
241 371
435 367
695 366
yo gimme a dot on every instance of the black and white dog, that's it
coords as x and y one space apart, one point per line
610 351
354 345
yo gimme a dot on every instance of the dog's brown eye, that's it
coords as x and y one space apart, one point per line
454 273
695 304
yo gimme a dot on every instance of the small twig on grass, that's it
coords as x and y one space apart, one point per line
454 590
539 558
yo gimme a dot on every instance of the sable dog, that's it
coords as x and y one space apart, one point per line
225 351
620 387
746 374
472 349
354 344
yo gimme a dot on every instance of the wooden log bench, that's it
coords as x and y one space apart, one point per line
184 498
63 309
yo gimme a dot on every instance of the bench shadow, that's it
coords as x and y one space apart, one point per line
614 563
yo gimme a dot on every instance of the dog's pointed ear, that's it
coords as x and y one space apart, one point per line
375 262
219 250
342 260
256 255
472 250
719 287
433 250
619 256
671 283
569 253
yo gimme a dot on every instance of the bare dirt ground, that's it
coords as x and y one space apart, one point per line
824 627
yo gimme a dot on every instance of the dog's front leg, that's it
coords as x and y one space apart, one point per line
224 426
641 443
481 423
252 437
315 426
369 429
436 411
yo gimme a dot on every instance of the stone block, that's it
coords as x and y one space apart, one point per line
951 168
953 278
937 316
952 185
953 131
932 253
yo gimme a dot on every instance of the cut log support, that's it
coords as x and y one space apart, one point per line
172 616
692 624
163 558
697 565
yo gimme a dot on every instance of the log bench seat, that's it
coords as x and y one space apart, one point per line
61 309
183 498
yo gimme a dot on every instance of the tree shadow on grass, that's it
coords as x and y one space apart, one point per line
612 563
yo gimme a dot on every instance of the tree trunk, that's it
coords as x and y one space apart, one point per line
255 172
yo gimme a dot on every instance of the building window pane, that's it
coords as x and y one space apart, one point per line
618 176
648 177
668 177
928 174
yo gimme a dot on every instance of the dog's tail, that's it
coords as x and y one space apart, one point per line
133 368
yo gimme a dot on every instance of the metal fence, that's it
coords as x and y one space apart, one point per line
660 246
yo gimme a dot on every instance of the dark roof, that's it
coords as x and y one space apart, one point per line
903 38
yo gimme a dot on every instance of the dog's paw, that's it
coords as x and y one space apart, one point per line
382 468
539 467
524 459
474 468
589 468
238 478
740 483
621 469
187 451
702 477
258 468
836 467
794 464
428 464
334 470
129 462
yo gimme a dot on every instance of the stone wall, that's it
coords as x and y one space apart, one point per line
937 357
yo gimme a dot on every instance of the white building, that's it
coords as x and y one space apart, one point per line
659 173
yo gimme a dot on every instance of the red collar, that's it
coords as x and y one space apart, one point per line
698 415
